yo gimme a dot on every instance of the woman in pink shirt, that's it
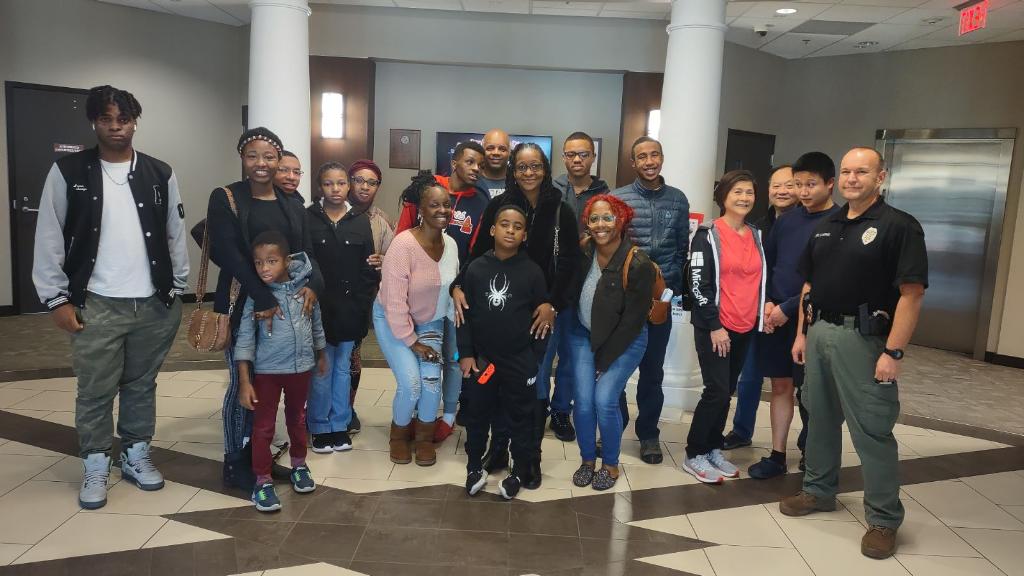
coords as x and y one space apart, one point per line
409 318
726 282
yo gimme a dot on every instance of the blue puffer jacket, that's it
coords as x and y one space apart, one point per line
289 346
661 228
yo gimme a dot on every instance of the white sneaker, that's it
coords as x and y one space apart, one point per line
96 471
728 469
138 468
702 470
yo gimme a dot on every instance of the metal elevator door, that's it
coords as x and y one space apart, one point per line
954 182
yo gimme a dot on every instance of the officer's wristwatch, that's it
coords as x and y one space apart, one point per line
896 353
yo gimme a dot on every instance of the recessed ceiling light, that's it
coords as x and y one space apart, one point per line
786 11
865 44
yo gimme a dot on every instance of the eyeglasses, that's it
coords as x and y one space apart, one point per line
524 168
574 155
296 171
606 218
359 180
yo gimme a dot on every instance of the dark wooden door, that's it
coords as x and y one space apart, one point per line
43 124
752 151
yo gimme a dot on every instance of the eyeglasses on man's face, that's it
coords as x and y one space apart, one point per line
581 155
286 171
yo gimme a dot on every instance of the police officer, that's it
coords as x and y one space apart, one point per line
866 270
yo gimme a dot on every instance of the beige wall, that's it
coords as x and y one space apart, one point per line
832 104
189 75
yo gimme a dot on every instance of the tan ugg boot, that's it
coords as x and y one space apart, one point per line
424 443
400 450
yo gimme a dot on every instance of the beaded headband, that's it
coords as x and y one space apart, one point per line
277 145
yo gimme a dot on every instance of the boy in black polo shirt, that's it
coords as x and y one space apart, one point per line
867 269
497 353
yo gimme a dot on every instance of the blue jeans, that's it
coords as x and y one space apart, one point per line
748 394
452 384
597 395
650 398
419 381
561 401
327 408
237 419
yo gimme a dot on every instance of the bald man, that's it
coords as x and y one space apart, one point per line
497 148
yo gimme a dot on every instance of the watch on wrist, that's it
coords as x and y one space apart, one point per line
894 353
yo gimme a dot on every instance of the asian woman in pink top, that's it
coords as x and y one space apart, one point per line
409 319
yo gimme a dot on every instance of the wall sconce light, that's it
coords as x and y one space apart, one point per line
332 115
653 123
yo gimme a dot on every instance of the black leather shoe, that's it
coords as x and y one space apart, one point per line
561 425
734 440
533 480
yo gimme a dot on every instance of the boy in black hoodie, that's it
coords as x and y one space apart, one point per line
497 353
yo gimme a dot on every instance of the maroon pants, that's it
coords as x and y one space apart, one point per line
268 389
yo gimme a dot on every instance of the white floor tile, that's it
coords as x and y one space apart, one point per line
206 500
86 534
9 552
744 526
745 561
1004 548
34 509
11 397
1006 488
957 504
942 443
319 569
833 549
174 533
692 562
361 464
945 566
678 525
15 469
46 400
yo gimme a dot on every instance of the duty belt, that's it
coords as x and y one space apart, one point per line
837 318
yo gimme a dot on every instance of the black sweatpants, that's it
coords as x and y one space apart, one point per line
507 397
720 375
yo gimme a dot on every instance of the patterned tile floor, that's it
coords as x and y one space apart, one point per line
963 489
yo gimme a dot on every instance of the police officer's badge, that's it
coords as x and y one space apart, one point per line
869 235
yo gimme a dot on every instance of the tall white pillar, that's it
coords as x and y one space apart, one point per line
690 102
279 75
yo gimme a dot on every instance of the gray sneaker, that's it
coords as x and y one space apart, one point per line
96 470
702 470
728 469
138 468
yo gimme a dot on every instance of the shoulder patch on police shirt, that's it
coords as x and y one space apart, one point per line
869 235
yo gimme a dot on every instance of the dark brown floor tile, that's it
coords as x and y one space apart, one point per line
439 492
628 568
253 557
335 507
557 518
458 493
608 529
408 513
324 541
127 563
266 532
48 568
215 558
600 552
480 516
397 569
388 544
173 560
473 548
617 506
537 553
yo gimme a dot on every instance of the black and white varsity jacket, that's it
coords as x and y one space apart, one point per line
68 230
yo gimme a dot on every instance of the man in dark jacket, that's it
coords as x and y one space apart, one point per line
577 187
289 175
661 228
110 263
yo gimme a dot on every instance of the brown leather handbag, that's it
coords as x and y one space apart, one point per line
210 331
659 311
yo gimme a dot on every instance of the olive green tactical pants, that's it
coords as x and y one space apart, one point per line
840 382
120 350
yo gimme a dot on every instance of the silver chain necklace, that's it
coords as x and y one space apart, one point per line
112 179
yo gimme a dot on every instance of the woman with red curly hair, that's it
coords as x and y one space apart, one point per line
609 336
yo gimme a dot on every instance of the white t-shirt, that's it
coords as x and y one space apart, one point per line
448 266
122 267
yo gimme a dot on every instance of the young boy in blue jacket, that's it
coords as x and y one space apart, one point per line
276 354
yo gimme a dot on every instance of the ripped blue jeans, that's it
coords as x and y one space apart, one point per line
419 381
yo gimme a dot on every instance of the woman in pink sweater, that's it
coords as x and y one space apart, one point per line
409 318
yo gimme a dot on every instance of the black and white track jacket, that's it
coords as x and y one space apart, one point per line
702 277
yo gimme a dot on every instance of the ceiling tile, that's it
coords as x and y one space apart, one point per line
772 24
430 4
649 7
505 6
381 3
919 15
804 10
950 4
799 45
1010 16
238 8
200 10
734 9
606 13
1011 37
887 3
746 37
567 8
857 13
143 4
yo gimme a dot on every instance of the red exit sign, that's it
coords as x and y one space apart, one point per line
973 16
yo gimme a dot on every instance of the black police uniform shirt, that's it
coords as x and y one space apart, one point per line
864 260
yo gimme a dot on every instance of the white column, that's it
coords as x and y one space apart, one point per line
279 75
690 102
